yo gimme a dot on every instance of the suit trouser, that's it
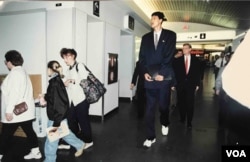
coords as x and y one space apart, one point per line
141 101
186 96
8 131
162 95
79 116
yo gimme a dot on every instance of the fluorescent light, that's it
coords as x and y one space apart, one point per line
1 3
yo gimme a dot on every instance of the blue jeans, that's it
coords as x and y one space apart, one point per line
50 148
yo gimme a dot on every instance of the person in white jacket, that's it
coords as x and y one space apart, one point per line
16 88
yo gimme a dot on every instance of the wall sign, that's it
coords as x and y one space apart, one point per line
96 8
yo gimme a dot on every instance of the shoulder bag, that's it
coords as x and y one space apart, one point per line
92 87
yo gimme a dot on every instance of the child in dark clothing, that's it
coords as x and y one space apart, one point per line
57 103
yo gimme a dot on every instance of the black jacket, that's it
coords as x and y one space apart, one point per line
57 100
138 76
192 79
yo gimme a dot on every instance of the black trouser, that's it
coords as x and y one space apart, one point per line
79 116
141 101
162 95
186 96
8 131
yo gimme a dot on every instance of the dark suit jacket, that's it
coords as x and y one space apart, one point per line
162 56
192 79
138 76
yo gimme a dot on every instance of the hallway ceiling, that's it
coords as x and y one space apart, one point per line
221 13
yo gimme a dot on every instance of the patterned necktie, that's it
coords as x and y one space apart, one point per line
186 64
156 41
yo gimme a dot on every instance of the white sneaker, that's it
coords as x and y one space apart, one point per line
148 143
33 155
87 145
63 146
80 151
1 156
164 130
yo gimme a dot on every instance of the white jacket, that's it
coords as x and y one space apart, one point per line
74 90
16 88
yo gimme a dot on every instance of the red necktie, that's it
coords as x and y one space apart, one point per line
186 64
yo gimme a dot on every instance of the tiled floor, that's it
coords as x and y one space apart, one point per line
119 138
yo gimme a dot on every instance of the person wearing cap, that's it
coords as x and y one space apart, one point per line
156 55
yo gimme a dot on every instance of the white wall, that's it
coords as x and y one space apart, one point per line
26 33
66 28
112 45
125 71
95 58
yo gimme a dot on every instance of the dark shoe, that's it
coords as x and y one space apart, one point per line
182 121
189 126
173 107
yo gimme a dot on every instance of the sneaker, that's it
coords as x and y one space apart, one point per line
80 151
33 155
63 146
164 130
87 145
148 143
1 156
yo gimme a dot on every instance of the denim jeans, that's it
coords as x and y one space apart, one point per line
50 148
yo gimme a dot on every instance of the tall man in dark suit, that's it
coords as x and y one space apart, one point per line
187 73
156 55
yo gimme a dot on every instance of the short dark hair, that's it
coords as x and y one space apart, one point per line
187 44
65 51
51 64
14 57
160 15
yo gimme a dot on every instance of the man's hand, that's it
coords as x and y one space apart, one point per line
132 86
148 77
159 78
173 88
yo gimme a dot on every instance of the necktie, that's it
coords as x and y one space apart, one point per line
186 64
156 40
221 64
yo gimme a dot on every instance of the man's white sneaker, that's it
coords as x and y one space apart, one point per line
33 155
164 130
148 143
87 145
63 146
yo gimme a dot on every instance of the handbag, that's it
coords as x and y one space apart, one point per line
20 108
92 87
